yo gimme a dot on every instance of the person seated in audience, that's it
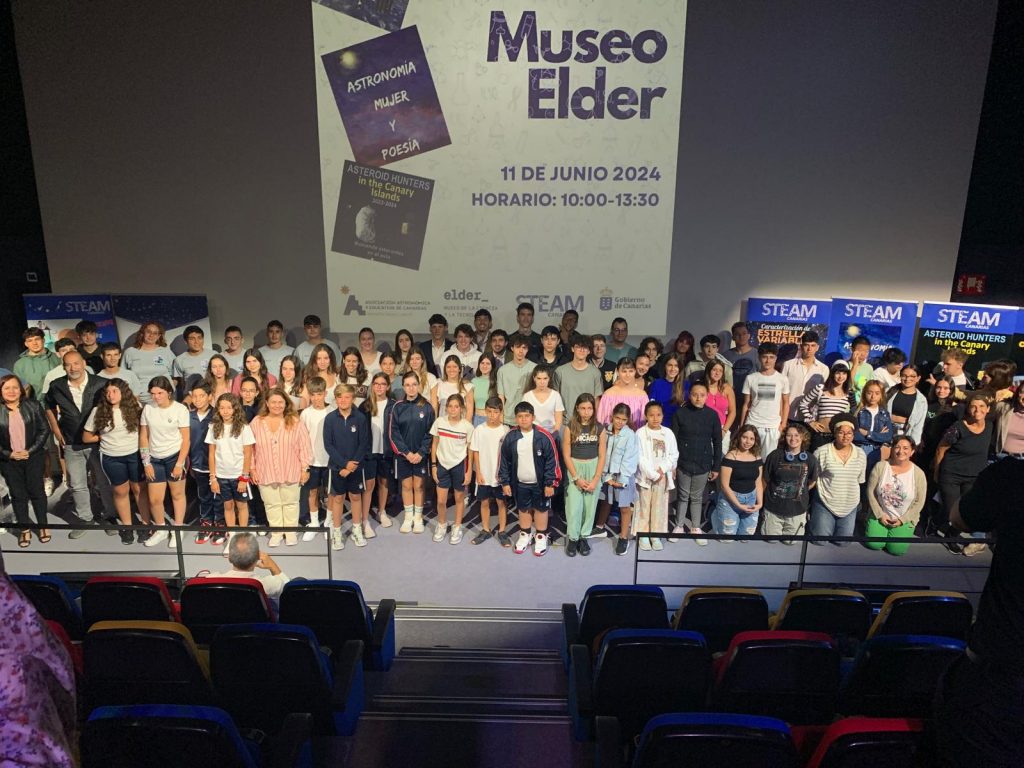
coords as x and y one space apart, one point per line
245 557
893 360
842 469
896 494
790 472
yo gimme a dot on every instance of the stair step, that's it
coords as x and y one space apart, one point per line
480 654
471 706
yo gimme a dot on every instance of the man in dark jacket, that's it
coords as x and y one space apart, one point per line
529 465
436 347
69 401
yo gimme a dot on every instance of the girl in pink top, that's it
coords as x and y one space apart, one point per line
253 365
624 391
721 397
281 459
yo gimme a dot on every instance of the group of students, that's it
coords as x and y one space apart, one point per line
586 424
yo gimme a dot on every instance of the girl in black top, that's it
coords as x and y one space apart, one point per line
741 489
962 454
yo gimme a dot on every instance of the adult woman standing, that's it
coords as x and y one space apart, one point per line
115 423
624 391
164 444
24 437
896 494
254 366
907 407
149 358
699 439
281 460
218 376
962 454
826 401
841 470
1009 421
721 396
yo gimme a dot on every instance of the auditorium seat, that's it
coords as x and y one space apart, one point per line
74 651
144 662
54 600
337 613
607 606
946 614
127 598
209 604
175 736
718 613
790 675
263 672
639 673
897 675
861 741
842 613
701 740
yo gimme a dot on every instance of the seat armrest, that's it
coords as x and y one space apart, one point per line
383 642
347 698
570 630
581 693
609 742
289 743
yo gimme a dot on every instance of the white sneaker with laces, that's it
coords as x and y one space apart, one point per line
314 529
406 523
368 531
357 536
48 486
701 542
644 543
540 544
336 541
172 540
156 538
385 521
275 540
522 542
456 536
656 545
227 543
417 522
440 531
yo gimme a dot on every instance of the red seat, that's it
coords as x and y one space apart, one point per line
127 598
207 604
878 742
74 651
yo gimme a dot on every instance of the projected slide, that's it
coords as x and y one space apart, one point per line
480 155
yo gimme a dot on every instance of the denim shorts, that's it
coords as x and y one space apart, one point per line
122 469
162 469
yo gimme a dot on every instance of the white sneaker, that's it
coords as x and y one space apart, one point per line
156 538
456 537
522 542
540 544
440 531
368 531
385 521
227 543
314 529
172 540
656 545
48 486
357 536
406 523
336 541
644 544
417 522
275 540
701 542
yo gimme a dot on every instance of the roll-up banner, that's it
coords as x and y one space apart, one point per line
174 312
57 314
1017 353
885 322
984 332
783 321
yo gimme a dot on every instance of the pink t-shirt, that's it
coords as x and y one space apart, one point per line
719 403
16 427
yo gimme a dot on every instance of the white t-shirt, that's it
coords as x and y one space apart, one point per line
235 361
765 393
888 380
544 413
115 440
446 389
229 454
377 430
487 442
313 418
453 441
526 471
372 367
469 359
164 428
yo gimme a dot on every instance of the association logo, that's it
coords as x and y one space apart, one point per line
607 297
352 306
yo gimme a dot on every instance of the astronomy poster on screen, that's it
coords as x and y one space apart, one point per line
544 137
884 322
985 332
783 321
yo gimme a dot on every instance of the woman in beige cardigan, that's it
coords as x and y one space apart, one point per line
896 492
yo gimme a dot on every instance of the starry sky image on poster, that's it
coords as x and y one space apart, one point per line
882 337
386 14
387 99
382 215
171 311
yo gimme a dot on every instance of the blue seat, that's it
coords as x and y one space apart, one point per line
639 673
173 736
337 613
54 600
606 607
898 675
699 740
263 672
793 676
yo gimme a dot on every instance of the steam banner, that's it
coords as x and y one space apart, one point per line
481 156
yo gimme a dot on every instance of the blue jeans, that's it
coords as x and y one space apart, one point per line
824 523
727 520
